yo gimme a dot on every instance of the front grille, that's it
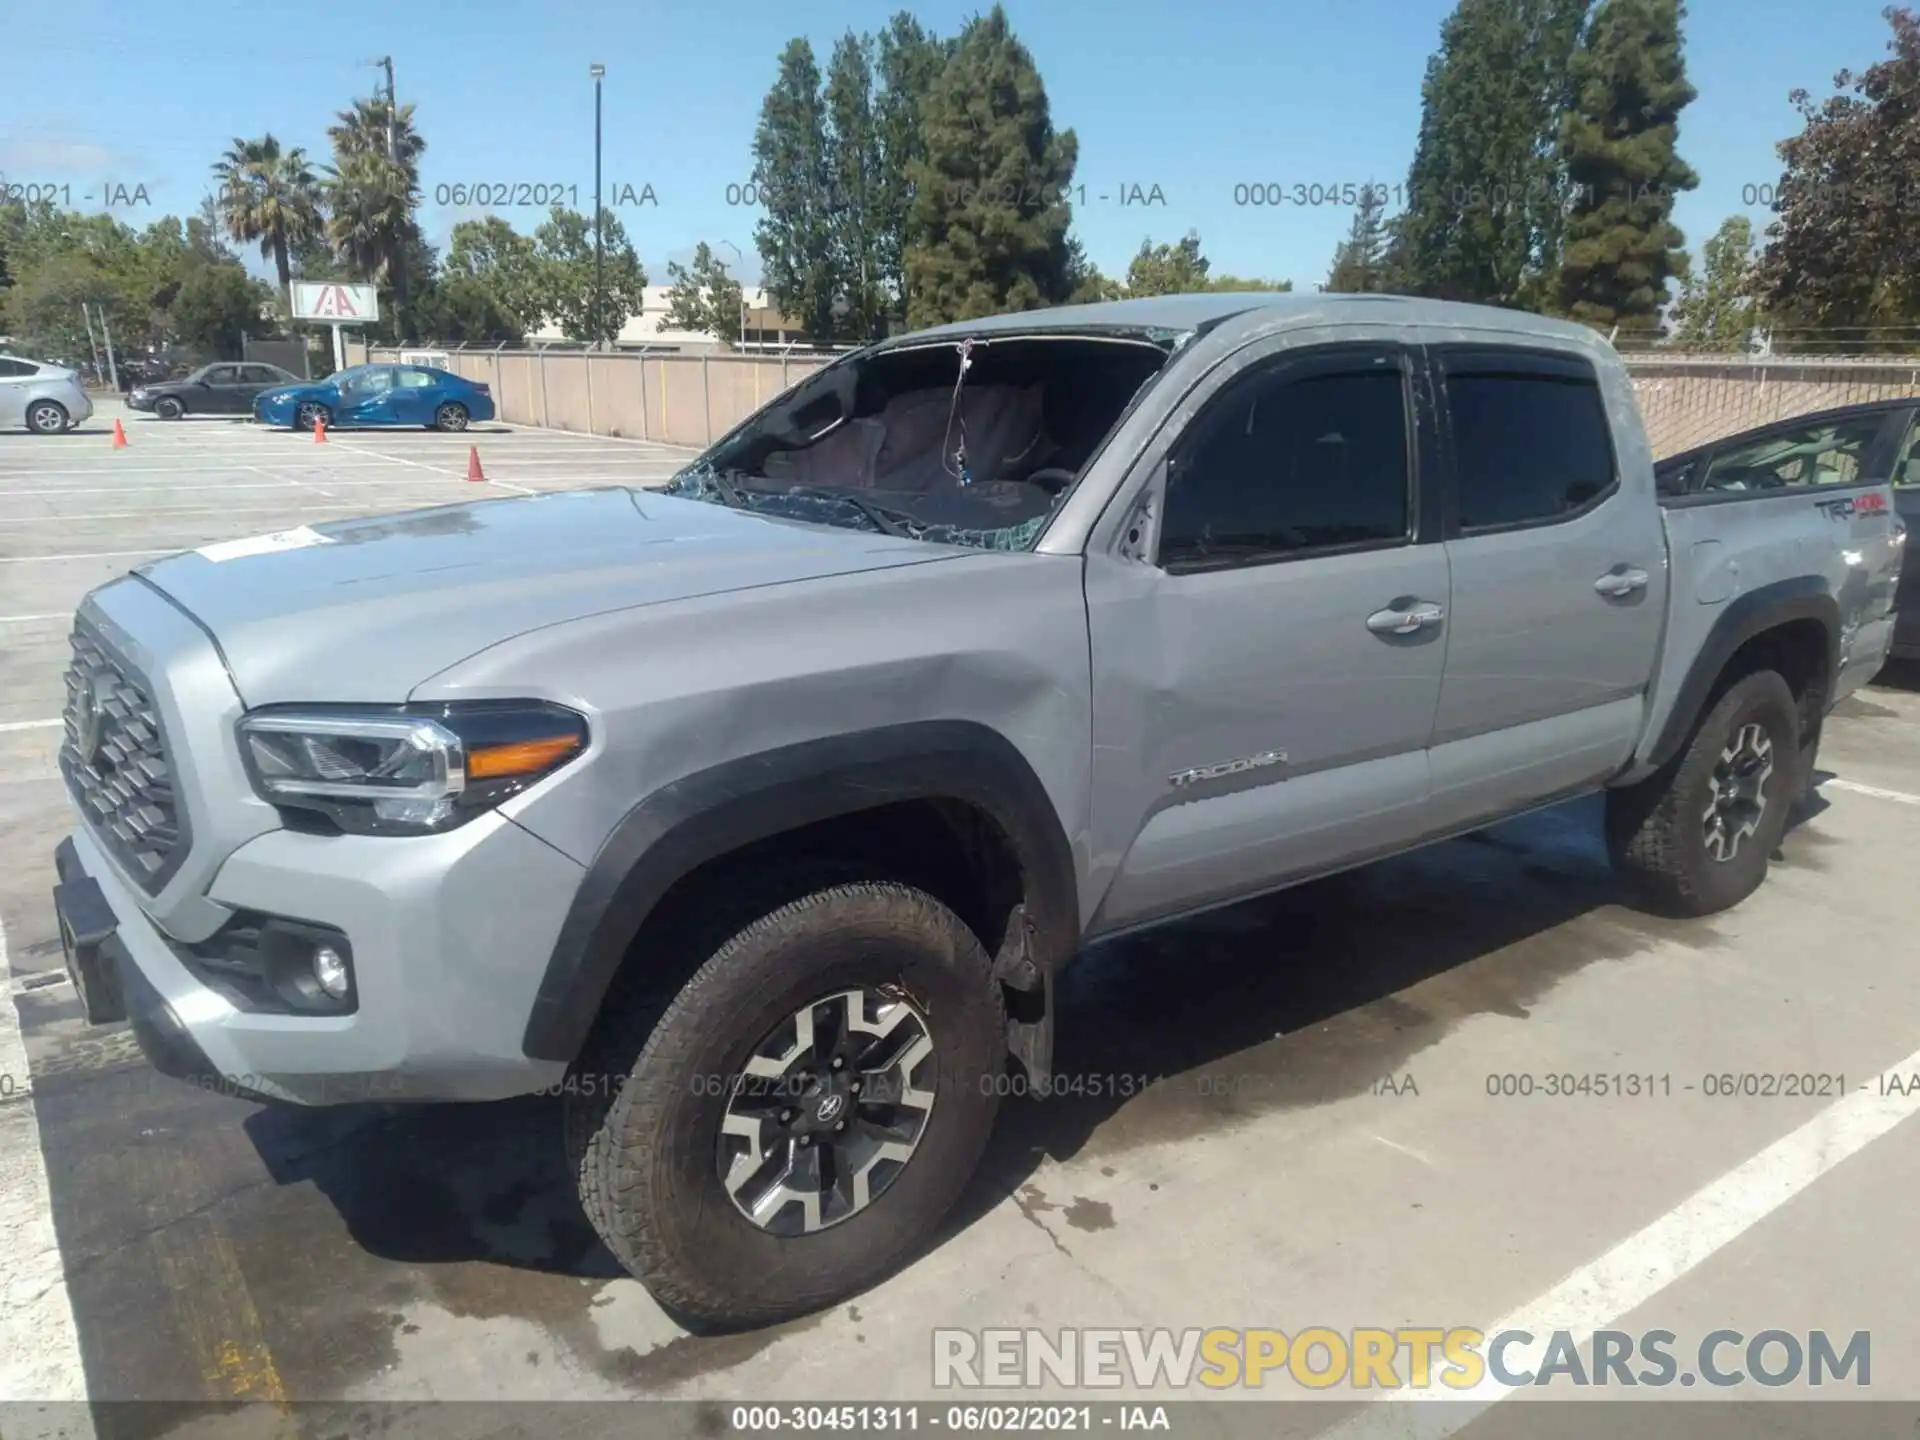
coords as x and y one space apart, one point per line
114 758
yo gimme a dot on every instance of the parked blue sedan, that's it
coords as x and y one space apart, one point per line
378 395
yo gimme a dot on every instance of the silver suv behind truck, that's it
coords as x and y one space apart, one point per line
759 817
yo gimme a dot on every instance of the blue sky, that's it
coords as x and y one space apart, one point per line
1194 98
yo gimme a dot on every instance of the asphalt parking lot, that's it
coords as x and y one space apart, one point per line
1327 1139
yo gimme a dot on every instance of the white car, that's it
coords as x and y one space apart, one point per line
46 399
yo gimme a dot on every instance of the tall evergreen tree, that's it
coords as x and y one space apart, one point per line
1359 261
1844 250
854 166
1715 309
989 217
1485 194
795 236
1618 142
907 60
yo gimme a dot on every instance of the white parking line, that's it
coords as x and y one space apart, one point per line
456 475
1646 1263
9 726
24 619
1853 787
39 1345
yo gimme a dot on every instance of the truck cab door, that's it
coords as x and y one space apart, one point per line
1560 575
1268 630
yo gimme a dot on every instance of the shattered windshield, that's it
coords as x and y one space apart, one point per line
969 443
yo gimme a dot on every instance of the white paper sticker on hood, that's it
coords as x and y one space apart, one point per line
298 538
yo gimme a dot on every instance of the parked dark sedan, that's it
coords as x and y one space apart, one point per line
228 389
1878 442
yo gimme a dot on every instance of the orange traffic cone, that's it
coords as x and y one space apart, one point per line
319 429
119 436
474 472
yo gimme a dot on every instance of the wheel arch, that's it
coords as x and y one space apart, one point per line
1792 626
961 769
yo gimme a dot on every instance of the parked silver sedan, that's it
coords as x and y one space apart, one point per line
46 399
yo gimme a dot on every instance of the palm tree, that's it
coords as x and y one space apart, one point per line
270 196
373 188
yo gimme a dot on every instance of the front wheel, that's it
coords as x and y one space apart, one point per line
1695 838
46 417
804 1112
168 408
450 417
307 414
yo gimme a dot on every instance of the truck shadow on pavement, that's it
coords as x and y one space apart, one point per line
1303 998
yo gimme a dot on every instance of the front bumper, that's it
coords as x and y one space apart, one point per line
139 402
450 936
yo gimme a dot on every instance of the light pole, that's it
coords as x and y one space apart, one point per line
740 341
598 72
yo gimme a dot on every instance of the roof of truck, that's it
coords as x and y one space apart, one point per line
1177 313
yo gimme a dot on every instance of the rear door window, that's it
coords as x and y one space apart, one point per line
1531 444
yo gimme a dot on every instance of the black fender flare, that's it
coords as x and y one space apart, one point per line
1805 597
714 812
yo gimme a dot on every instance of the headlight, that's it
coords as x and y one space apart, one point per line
409 770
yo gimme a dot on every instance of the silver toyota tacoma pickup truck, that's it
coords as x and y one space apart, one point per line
757 818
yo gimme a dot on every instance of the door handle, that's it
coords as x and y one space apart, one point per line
1622 580
1409 621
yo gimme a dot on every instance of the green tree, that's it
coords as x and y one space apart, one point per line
1085 284
1620 246
216 307
1715 309
1843 250
1485 192
1176 269
989 217
461 309
1359 262
42 309
1221 284
795 237
373 193
854 165
907 60
704 296
494 256
564 255
271 197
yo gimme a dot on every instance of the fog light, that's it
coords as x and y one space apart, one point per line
330 971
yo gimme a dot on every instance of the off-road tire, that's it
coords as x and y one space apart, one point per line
646 1145
1655 829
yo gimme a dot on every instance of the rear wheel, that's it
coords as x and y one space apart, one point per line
168 408
799 1117
1696 837
450 416
308 412
46 417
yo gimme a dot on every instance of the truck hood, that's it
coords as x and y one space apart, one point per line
366 610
